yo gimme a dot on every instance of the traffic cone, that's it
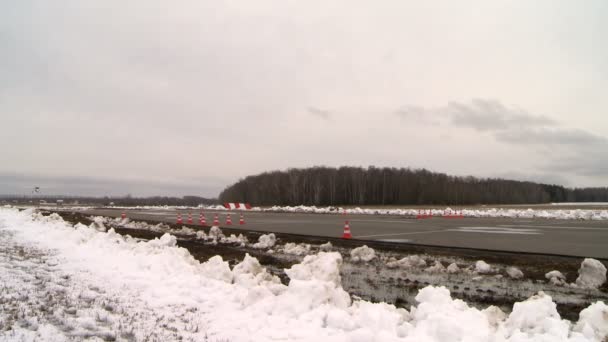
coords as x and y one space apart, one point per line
123 215
228 220
216 220
346 234
202 219
179 218
242 220
189 218
419 216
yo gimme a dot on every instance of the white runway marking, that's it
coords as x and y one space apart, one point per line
381 221
394 240
398 234
496 230
552 227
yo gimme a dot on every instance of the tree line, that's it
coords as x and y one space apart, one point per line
325 186
127 201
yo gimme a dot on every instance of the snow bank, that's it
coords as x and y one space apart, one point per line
265 241
362 253
162 293
565 214
592 274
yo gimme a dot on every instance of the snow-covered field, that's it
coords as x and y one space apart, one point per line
64 282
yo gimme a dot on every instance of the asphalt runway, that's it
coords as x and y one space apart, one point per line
546 236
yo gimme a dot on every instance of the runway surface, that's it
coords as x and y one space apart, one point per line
563 237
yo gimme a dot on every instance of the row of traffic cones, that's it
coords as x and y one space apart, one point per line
424 214
216 222
203 220
453 214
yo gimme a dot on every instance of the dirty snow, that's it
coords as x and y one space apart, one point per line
101 285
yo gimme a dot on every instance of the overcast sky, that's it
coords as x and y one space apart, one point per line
174 98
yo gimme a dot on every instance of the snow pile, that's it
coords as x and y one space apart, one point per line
538 317
556 278
515 273
160 292
482 267
453 268
98 223
363 253
250 273
241 240
569 214
436 268
265 241
592 274
593 322
326 247
201 235
184 231
296 249
215 233
406 262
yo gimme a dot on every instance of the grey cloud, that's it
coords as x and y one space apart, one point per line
550 137
590 163
419 115
491 115
323 114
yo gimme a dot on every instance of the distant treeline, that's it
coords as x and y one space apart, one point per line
324 186
119 201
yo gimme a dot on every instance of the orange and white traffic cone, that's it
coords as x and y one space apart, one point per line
346 234
419 216
189 218
179 218
202 220
216 220
228 220
123 215
242 220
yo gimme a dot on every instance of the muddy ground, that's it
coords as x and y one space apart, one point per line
375 282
